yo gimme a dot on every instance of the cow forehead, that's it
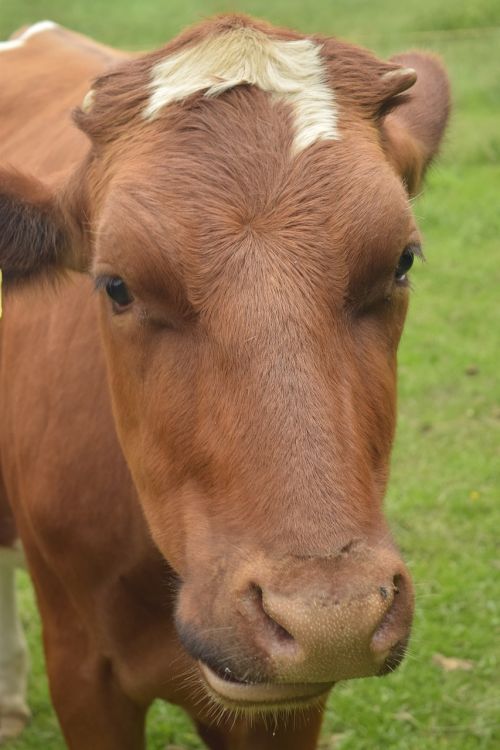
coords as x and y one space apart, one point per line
238 132
217 214
290 70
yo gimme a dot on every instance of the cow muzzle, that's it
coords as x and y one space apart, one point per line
295 628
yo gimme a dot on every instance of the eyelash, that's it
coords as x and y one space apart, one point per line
100 282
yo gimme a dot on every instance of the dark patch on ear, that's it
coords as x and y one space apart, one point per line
32 235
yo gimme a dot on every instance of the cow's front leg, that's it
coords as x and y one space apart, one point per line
299 732
14 712
93 709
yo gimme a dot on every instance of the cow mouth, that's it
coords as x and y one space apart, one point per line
234 693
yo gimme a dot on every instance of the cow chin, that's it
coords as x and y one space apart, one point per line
234 694
246 683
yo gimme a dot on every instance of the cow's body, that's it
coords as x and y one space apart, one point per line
105 592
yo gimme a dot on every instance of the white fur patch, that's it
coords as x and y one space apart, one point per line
37 28
290 70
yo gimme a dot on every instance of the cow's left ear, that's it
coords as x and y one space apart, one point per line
413 130
39 233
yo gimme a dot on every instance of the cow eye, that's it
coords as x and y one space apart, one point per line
118 291
404 264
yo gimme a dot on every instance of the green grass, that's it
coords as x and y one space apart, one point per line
443 499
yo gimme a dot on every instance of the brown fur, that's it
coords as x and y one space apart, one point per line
252 382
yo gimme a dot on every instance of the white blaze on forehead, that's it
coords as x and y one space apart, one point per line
292 71
37 28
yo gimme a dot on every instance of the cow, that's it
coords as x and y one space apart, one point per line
205 280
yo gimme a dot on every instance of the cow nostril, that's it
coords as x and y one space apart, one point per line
272 627
391 635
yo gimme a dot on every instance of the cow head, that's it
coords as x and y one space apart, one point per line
244 211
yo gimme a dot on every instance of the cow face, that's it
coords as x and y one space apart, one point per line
251 235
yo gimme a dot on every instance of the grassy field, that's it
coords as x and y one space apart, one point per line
443 499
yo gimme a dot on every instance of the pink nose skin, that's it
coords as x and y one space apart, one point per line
333 620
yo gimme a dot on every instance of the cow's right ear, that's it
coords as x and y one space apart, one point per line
413 130
39 234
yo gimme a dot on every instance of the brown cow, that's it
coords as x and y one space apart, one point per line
239 200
